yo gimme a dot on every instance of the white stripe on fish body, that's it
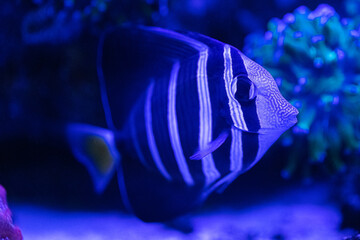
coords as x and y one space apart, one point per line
236 157
205 119
237 115
150 135
236 153
173 127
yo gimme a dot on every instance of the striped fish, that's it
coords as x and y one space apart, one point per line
205 113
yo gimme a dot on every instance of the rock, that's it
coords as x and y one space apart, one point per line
8 231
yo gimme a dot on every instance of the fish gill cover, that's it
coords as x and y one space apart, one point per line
314 57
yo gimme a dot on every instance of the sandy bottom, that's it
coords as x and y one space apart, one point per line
302 213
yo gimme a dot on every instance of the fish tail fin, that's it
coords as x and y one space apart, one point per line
94 147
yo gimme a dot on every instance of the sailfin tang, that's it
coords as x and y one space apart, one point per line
95 148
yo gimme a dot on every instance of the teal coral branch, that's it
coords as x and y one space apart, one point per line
314 57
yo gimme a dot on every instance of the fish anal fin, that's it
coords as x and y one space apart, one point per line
211 147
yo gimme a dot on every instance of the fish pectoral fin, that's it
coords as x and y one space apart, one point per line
95 148
211 147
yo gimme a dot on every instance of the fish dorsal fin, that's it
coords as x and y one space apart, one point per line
211 147
128 56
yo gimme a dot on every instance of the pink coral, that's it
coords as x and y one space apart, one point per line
7 229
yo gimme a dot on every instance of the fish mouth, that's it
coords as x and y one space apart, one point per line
293 120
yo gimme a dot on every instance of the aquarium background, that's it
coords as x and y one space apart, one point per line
301 189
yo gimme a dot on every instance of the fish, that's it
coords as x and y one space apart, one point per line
7 228
186 115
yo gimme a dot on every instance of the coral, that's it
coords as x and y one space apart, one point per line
7 229
60 22
314 58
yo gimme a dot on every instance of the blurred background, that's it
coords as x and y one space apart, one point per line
48 78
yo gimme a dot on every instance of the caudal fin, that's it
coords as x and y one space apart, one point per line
95 148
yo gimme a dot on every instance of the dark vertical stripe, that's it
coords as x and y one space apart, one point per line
250 115
250 143
222 157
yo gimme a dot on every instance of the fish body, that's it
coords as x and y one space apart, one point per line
205 113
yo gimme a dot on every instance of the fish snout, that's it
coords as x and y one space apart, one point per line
287 116
293 115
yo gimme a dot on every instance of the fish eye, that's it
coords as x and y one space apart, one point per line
244 90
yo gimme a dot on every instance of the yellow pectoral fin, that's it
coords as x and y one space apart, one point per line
95 148
99 153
